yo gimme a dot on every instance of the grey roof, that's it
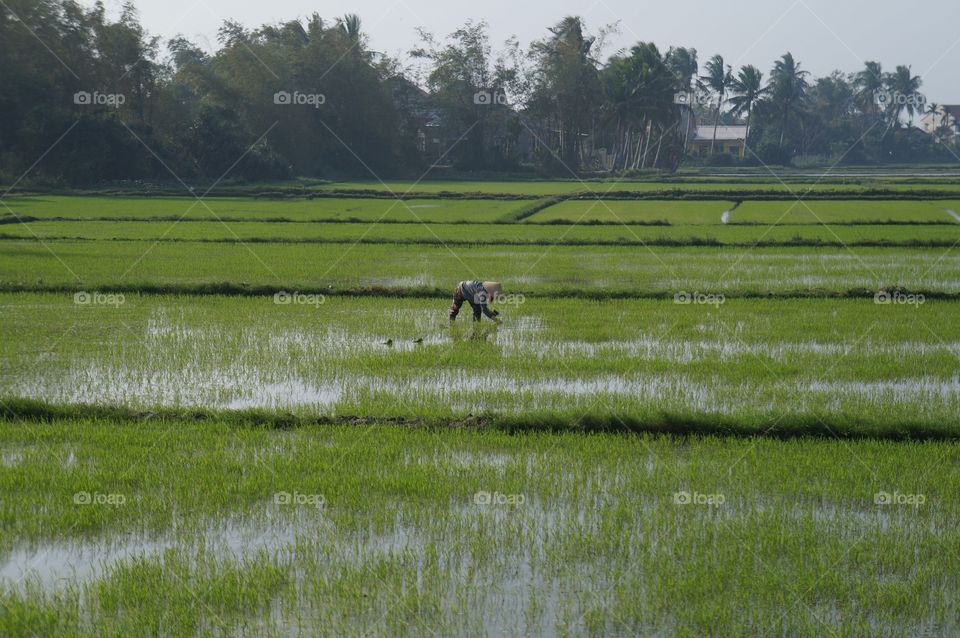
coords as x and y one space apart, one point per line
724 133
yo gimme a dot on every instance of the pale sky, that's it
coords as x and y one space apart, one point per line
823 34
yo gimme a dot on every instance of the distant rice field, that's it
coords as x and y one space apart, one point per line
677 213
844 212
174 209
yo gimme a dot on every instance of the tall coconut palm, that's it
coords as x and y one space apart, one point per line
933 111
567 79
904 87
787 90
717 80
869 84
682 63
747 89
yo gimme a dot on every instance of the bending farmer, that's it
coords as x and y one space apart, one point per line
477 294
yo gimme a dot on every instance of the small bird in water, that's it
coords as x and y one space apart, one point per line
388 342
420 340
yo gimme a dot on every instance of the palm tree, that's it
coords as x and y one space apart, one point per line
350 26
869 84
747 90
717 80
682 63
787 89
933 111
568 80
639 91
904 87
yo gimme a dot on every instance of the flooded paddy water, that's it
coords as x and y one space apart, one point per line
396 357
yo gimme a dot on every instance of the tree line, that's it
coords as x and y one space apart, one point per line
88 99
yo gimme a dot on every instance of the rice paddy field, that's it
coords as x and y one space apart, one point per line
934 234
256 209
713 407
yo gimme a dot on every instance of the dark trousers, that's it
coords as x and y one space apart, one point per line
458 300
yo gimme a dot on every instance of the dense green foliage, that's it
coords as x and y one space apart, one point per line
88 100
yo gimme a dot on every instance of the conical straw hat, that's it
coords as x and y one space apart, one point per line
493 288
